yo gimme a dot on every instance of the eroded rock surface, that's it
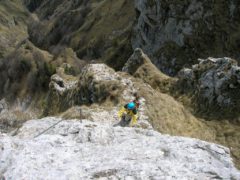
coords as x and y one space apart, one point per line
76 149
215 80
97 83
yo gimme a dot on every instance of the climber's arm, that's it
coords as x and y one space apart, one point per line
134 119
120 112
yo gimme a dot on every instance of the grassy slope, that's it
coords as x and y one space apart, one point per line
106 33
12 25
102 32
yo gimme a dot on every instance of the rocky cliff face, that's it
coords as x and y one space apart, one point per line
83 149
173 34
176 33
215 83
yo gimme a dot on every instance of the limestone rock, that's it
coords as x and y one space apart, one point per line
62 92
216 79
186 74
62 85
97 83
89 150
100 85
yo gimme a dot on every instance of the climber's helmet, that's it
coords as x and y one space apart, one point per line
131 105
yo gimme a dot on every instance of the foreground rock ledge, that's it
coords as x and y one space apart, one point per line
89 150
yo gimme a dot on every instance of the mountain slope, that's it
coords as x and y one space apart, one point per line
66 35
175 33
13 25
93 29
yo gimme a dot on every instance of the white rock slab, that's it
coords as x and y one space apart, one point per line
92 150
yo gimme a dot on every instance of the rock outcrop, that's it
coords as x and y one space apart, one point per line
80 149
62 92
216 82
97 83
175 34
140 66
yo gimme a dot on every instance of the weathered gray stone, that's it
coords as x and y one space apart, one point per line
99 150
97 83
186 74
216 79
61 85
3 106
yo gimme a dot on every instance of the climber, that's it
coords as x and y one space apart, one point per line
128 114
